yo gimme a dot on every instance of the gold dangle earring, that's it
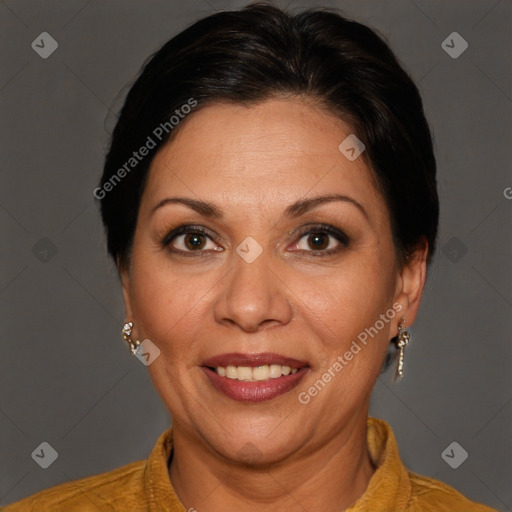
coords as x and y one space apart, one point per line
403 339
127 336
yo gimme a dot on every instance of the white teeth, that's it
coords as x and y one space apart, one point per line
261 372
244 373
231 372
264 372
275 371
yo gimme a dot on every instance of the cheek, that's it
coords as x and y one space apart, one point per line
169 313
169 309
350 296
349 350
343 312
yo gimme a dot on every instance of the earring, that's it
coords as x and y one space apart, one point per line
127 336
403 339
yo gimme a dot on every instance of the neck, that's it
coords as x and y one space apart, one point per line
329 478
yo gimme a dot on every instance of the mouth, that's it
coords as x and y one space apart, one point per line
254 374
254 377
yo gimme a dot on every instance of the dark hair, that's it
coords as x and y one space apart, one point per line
261 52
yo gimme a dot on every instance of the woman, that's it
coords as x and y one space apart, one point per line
270 201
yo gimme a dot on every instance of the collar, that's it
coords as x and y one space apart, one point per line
389 489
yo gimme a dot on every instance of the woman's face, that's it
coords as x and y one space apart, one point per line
287 261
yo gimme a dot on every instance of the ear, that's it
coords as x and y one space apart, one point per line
410 285
124 274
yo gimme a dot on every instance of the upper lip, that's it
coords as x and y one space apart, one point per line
253 360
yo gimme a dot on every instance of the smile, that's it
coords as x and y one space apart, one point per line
254 377
258 373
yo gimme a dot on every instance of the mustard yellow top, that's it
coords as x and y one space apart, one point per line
145 486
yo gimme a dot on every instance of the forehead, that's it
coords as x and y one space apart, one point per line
268 154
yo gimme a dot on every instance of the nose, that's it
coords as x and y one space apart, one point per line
253 297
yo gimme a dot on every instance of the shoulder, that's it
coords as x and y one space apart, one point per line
430 495
120 489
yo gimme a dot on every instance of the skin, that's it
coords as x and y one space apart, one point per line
253 162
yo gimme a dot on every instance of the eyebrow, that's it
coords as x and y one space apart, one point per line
296 209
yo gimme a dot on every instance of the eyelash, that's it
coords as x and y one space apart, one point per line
326 229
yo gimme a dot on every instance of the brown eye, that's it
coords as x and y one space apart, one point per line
322 240
194 241
318 241
189 239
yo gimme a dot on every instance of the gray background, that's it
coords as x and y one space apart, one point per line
66 375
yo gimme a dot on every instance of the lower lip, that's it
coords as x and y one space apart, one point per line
254 391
